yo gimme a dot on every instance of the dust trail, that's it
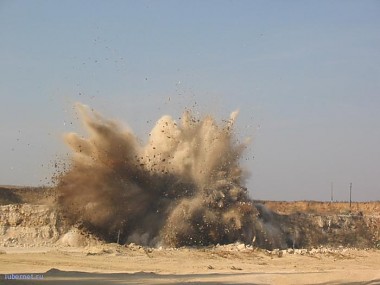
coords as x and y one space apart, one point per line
184 187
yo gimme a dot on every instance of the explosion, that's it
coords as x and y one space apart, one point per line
184 187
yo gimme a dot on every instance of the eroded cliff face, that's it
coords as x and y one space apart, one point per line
349 230
312 223
306 230
26 225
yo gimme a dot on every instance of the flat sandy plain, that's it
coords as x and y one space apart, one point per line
229 264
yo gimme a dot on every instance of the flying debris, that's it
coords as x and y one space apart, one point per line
183 187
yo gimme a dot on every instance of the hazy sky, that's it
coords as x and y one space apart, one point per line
305 76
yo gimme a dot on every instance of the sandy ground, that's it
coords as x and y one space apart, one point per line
112 264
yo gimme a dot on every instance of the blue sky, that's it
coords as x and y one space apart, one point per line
305 76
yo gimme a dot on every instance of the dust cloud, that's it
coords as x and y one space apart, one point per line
183 187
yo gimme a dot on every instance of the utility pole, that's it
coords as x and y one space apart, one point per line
332 192
350 193
118 237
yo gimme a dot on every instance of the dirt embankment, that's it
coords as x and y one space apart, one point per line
323 208
24 225
27 195
28 218
334 224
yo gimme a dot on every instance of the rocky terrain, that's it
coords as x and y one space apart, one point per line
306 243
330 224
28 218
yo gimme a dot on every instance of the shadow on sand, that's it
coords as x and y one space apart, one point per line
58 277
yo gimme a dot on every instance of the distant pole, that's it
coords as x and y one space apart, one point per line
350 193
332 192
118 237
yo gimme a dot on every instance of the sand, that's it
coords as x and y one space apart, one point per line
30 244
234 264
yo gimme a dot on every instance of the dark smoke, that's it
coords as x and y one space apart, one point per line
184 187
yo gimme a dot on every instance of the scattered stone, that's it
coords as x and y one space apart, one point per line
74 238
107 251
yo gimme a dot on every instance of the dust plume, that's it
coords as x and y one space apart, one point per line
183 187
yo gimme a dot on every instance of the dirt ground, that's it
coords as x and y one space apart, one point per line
114 264
33 251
